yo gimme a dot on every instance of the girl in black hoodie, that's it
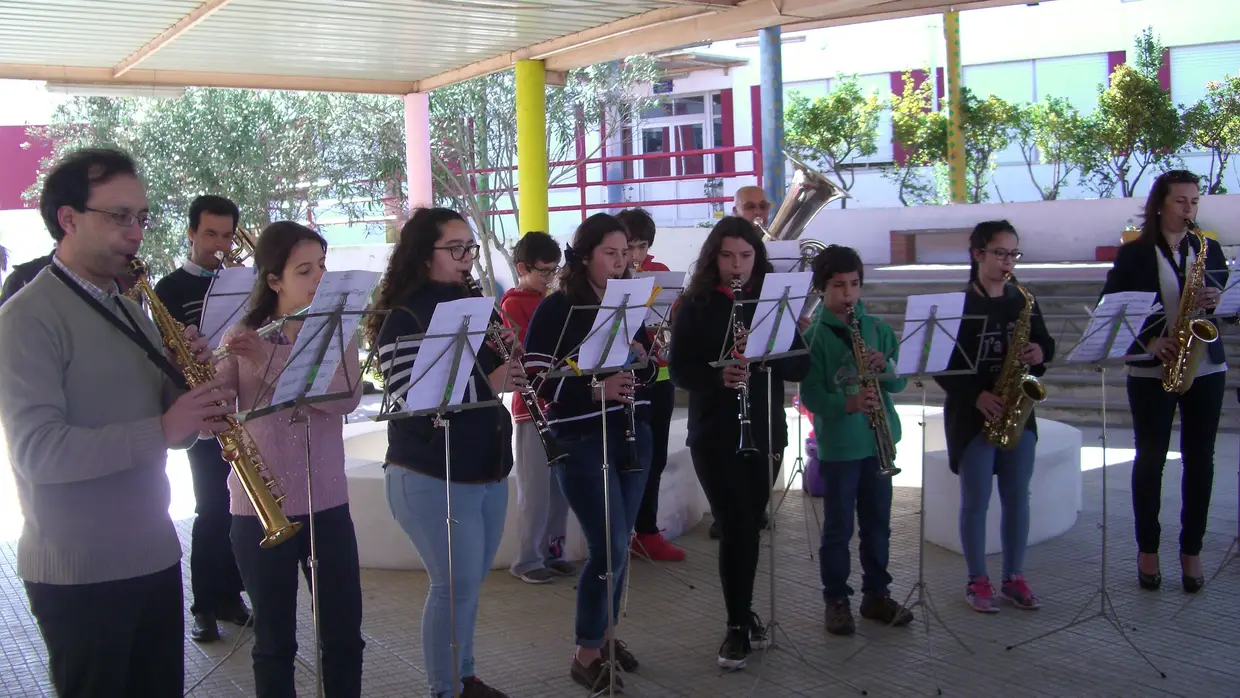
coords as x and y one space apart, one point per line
738 486
970 402
428 267
599 252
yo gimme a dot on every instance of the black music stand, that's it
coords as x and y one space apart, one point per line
301 383
1100 350
617 325
777 312
439 363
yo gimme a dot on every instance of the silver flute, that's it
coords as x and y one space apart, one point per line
266 330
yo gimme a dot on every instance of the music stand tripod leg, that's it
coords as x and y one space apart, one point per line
610 659
299 416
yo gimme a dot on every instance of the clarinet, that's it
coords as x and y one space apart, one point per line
746 446
633 463
526 394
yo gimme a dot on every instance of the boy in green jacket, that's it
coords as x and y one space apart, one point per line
847 449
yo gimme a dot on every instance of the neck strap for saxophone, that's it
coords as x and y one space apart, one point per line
130 330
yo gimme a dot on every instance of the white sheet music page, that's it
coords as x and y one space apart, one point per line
619 325
784 255
434 375
348 291
1229 302
764 339
947 310
1122 314
671 284
227 301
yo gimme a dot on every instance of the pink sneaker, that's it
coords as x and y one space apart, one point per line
980 595
1016 590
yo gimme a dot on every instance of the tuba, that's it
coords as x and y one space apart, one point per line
1191 332
810 193
242 250
236 446
1018 390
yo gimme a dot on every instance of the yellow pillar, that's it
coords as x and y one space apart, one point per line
532 172
956 161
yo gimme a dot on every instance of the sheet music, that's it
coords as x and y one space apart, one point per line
761 341
227 301
348 291
784 255
609 319
671 285
947 309
433 368
1119 314
1229 302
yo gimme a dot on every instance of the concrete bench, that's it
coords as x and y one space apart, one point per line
904 244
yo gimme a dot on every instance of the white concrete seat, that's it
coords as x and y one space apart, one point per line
382 544
1055 491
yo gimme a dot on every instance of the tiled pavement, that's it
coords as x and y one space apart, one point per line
674 619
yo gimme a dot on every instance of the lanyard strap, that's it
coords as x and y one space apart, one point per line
130 330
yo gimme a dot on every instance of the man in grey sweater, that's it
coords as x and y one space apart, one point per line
90 404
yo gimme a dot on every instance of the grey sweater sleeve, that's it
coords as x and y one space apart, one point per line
43 447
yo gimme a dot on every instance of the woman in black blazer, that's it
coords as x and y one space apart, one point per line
1157 261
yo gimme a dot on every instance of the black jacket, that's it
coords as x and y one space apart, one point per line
961 419
701 329
554 334
1136 269
481 437
182 293
21 275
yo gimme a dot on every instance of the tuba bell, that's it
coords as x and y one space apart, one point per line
809 193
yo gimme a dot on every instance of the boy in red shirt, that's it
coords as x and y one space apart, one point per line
648 541
542 512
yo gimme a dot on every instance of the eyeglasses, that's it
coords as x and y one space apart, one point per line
126 219
547 273
1000 253
459 251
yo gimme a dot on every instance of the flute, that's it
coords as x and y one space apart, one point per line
266 330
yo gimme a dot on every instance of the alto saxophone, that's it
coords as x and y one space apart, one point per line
1018 390
877 418
236 446
1191 332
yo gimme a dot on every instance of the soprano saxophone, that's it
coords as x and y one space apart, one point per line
1191 332
883 439
1018 390
236 446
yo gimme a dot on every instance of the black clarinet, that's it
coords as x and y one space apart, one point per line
746 446
526 394
632 463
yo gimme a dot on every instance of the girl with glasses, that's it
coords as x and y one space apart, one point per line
1157 261
429 265
971 402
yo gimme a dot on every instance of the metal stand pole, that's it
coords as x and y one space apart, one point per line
773 626
1106 610
921 589
300 417
442 421
612 665
798 468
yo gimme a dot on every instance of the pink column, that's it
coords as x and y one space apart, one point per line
418 149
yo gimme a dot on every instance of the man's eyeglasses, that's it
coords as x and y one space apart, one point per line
459 251
126 219
1000 253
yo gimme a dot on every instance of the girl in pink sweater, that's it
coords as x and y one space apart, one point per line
291 260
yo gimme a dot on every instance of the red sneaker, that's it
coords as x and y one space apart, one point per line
653 546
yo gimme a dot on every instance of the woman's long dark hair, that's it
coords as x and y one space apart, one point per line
409 265
706 270
271 252
981 236
575 276
1151 217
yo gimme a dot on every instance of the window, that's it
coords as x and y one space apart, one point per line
1074 78
676 106
1194 66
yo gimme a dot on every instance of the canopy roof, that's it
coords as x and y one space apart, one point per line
380 46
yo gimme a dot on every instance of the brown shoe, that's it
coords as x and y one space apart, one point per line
885 610
840 618
597 677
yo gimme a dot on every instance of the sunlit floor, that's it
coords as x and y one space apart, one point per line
674 616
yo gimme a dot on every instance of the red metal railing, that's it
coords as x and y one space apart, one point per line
582 182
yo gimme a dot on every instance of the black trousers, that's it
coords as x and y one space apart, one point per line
739 489
213 574
1152 412
271 578
662 402
120 638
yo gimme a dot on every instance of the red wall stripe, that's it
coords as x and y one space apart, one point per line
727 161
1164 71
755 110
21 155
1114 60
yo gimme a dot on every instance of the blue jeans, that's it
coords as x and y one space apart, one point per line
850 486
419 505
581 480
979 463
